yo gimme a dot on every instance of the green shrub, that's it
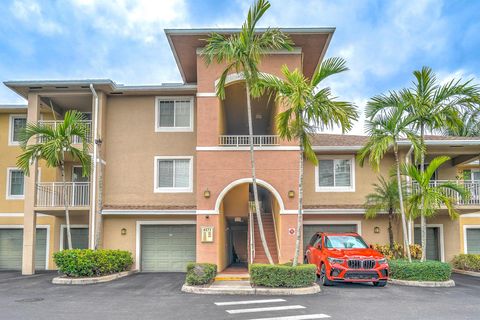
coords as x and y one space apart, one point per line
92 263
397 251
286 276
469 262
200 273
419 271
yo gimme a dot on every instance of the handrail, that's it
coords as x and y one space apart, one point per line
75 140
472 186
275 229
50 194
244 140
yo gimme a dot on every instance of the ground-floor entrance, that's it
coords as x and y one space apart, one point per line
11 246
433 242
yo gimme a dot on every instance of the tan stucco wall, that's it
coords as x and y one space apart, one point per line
235 202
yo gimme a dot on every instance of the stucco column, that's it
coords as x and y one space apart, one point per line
29 215
209 251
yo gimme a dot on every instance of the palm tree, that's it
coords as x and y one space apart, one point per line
469 125
384 198
388 123
307 109
242 53
427 198
51 143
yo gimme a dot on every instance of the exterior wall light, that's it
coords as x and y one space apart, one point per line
206 193
291 194
123 231
376 229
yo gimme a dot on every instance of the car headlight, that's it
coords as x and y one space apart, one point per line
336 261
382 261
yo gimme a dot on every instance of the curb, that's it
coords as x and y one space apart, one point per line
466 272
425 284
93 280
252 290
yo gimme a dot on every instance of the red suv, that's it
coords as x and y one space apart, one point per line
346 257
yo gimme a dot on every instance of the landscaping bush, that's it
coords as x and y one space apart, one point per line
420 271
200 273
397 251
286 276
469 262
92 263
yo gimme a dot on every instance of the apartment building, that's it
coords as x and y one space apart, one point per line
171 180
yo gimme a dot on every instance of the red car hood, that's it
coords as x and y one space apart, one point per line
354 253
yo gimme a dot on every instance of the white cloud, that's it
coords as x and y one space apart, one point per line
30 13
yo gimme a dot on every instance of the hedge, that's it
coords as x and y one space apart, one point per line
92 263
469 262
419 271
397 252
282 276
200 273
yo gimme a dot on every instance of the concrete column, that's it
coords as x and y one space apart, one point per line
30 218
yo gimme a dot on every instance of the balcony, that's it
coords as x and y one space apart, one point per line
472 186
76 139
244 140
51 194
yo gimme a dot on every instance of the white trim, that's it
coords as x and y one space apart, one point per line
258 148
148 212
8 196
351 188
358 223
206 94
39 226
72 226
336 211
294 50
442 239
237 77
157 189
18 214
465 227
10 128
336 148
150 222
473 142
173 129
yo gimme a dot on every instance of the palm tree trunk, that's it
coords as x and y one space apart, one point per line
423 220
402 208
254 178
98 218
390 229
300 206
65 201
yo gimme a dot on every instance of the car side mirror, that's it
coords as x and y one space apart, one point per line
370 246
319 246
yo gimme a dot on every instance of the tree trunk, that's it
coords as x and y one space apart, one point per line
98 218
65 201
402 208
300 206
254 178
423 220
390 229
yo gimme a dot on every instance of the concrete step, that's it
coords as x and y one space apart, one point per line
232 277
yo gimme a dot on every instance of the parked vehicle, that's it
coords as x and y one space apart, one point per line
345 257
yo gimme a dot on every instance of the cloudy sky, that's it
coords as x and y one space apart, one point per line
383 41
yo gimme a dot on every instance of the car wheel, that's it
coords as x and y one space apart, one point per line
381 283
323 277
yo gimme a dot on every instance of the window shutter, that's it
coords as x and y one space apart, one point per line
325 173
165 173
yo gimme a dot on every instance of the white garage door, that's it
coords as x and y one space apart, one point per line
473 241
167 247
310 229
11 247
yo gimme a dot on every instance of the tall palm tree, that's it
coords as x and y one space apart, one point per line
384 198
308 109
469 127
242 52
387 123
52 143
427 198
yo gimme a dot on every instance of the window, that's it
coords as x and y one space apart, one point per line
335 174
79 235
174 114
173 174
17 124
77 174
15 184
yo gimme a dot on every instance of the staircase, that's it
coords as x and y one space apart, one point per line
269 228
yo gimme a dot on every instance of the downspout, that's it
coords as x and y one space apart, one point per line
410 222
93 209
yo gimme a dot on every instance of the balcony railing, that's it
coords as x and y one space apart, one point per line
244 140
76 139
51 194
472 186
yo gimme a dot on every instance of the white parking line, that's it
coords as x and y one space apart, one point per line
265 309
300 317
233 303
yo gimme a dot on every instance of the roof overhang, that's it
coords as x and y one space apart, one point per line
185 42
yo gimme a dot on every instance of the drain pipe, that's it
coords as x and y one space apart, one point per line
94 173
410 222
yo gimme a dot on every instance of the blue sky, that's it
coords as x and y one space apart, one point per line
383 41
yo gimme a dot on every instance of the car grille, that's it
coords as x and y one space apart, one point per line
360 275
361 264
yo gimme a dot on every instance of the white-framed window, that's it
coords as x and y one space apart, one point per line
174 114
77 174
18 122
173 174
15 184
335 174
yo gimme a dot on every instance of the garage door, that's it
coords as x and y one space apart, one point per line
473 241
167 247
433 242
310 229
11 247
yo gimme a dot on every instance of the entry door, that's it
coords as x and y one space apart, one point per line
310 229
433 242
11 249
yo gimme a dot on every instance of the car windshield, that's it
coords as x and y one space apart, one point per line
345 242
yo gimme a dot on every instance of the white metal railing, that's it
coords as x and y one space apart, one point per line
244 140
472 186
76 139
51 194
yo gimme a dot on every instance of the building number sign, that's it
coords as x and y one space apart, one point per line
207 234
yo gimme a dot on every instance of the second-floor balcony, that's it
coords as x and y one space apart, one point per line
55 194
244 140
76 139
472 186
